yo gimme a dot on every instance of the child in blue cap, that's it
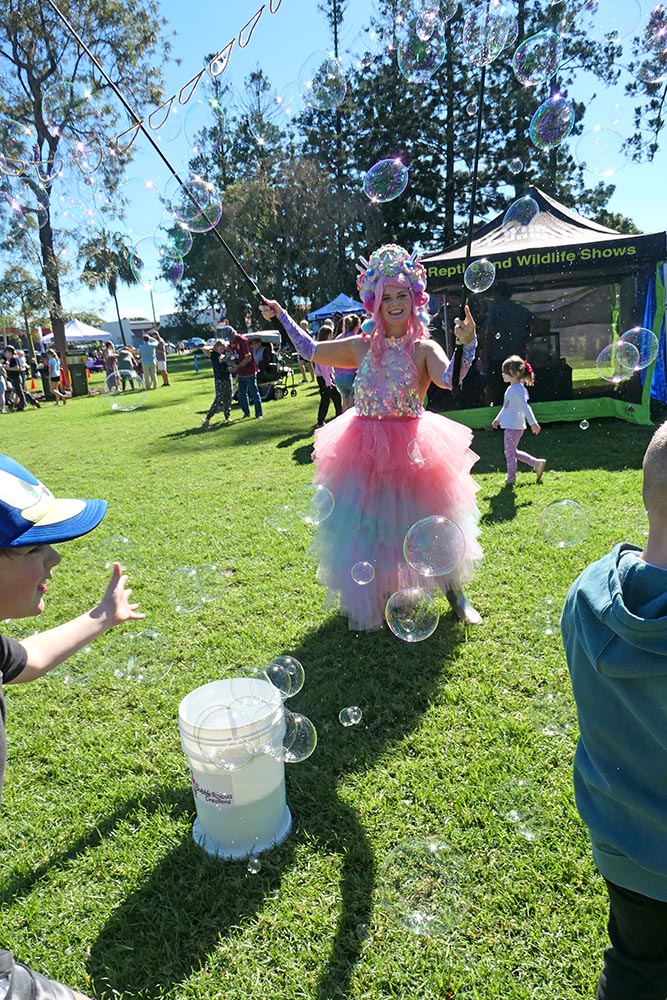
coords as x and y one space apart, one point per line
32 520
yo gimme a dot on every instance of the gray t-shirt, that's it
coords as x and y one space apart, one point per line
13 659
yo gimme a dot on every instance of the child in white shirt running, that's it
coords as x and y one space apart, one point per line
512 418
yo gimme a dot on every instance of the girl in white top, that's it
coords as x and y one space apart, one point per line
512 418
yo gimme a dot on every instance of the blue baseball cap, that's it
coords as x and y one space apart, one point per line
31 515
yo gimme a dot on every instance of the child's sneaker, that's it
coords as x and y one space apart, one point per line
539 469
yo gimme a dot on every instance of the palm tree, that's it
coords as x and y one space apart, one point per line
107 260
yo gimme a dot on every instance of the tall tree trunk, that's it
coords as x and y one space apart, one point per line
120 322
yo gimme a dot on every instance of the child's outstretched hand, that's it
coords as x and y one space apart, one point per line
535 428
495 425
116 605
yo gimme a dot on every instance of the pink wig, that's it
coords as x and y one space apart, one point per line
417 328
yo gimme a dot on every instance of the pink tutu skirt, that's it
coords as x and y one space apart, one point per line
385 475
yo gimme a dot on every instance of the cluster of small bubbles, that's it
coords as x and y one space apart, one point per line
479 275
552 123
434 546
363 573
412 614
564 523
120 549
600 151
313 503
189 587
521 213
321 82
537 58
419 888
350 716
254 866
521 805
419 58
646 344
617 362
124 390
386 180
140 657
487 29
584 425
516 165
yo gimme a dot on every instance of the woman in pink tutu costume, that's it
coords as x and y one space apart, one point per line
388 462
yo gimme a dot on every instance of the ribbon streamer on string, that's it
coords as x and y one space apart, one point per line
139 126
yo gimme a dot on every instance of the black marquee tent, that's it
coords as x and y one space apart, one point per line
585 284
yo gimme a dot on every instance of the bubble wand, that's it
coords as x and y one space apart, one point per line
138 122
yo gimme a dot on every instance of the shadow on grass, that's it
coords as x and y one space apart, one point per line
170 927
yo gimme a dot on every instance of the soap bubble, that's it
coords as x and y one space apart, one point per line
479 275
435 13
487 29
363 573
313 503
386 180
552 122
547 616
551 714
537 58
520 213
362 932
420 58
522 806
254 866
350 716
516 165
228 754
286 674
195 205
420 887
119 548
281 518
182 591
304 742
79 668
584 425
600 151
412 614
124 390
434 546
645 342
472 107
601 21
564 523
140 657
616 362
419 452
321 81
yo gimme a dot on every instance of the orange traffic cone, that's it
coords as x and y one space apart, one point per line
87 372
32 384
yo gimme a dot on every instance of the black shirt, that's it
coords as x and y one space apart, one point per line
13 659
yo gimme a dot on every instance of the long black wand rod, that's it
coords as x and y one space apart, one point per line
138 121
458 351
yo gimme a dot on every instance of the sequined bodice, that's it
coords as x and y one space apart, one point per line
388 387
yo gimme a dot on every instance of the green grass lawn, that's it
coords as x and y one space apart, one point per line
102 884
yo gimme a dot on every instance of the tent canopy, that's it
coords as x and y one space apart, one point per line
558 247
342 304
77 332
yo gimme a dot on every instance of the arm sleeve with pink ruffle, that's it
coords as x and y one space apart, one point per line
303 342
467 359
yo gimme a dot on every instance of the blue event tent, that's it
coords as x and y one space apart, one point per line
342 304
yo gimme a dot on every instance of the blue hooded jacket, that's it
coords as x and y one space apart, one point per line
614 627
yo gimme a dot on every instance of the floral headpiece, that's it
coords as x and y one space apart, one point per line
389 262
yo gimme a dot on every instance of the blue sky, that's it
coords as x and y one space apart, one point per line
280 43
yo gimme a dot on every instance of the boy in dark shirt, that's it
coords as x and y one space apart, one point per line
31 521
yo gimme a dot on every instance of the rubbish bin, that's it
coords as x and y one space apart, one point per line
46 383
78 374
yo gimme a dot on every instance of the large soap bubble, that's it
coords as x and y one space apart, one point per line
600 151
537 58
552 122
418 58
645 342
313 503
302 738
321 81
196 205
124 390
434 14
488 28
479 275
564 523
520 213
434 546
420 888
142 657
412 614
616 362
386 180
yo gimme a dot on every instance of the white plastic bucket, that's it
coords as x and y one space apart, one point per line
232 734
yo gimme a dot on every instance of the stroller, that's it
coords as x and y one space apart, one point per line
276 373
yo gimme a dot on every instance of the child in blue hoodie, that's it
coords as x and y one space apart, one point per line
614 627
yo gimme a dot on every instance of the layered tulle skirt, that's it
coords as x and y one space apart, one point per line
385 475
